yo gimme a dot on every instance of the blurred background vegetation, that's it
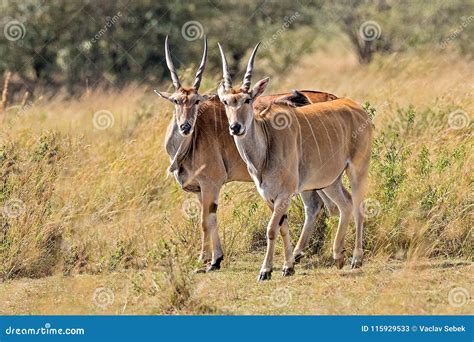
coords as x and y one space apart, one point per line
79 44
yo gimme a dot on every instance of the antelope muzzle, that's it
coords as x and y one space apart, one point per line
185 128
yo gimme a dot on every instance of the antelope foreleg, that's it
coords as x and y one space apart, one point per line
206 252
278 220
209 224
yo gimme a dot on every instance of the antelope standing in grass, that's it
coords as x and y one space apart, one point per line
320 142
204 157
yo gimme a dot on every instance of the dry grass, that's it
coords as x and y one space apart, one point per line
4 101
93 207
380 288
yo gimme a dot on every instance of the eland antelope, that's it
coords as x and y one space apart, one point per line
318 143
204 157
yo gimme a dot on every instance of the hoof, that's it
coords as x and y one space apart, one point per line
215 266
200 270
288 271
340 262
356 263
205 261
264 276
298 257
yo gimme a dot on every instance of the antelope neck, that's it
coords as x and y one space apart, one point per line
253 147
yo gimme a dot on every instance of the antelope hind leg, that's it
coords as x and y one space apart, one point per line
312 206
339 195
358 181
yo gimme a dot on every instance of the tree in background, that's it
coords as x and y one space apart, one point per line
76 44
383 26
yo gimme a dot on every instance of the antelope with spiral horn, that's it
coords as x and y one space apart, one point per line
204 157
320 142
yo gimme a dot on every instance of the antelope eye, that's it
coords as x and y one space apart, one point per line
175 101
224 102
197 101
247 101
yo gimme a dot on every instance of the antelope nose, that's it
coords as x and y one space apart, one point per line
235 128
185 127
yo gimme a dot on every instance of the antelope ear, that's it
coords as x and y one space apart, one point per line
221 90
205 97
163 94
259 87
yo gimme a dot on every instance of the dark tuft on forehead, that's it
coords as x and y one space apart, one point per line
237 91
187 91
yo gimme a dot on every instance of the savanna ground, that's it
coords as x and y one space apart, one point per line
93 225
